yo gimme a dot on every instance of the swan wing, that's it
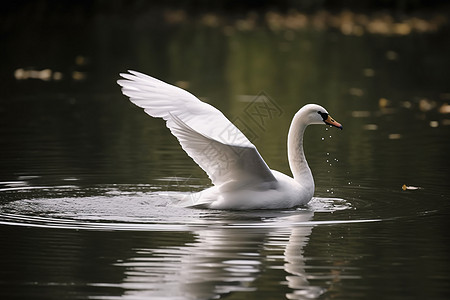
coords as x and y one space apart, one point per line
206 135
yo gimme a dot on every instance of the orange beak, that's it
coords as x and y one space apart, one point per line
332 122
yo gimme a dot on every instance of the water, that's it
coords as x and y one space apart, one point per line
88 181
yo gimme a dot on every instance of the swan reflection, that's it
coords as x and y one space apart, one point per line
225 257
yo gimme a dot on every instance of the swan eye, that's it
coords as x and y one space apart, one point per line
323 115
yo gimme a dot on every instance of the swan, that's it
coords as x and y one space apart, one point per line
241 178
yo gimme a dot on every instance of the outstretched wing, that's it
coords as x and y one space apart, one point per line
206 135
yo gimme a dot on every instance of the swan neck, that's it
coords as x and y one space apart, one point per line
296 156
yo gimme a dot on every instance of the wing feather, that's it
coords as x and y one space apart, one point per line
206 135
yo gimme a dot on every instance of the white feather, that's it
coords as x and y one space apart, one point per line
206 135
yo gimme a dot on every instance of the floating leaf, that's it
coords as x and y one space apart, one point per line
412 188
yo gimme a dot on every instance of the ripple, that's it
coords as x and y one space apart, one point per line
142 208
54 223
391 203
43 222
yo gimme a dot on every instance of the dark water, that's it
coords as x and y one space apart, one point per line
87 180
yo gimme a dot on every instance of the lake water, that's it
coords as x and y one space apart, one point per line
88 180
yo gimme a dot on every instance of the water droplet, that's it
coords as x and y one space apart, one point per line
323 139
327 160
330 136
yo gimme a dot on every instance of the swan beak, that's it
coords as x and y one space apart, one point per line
332 122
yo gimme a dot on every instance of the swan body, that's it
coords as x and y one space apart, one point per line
241 178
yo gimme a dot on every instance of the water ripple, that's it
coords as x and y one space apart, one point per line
135 208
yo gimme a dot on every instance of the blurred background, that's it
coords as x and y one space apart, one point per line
379 67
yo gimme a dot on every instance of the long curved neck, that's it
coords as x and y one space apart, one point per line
297 160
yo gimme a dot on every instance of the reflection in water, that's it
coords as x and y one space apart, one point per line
222 260
295 266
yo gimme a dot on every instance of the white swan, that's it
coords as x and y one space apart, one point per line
241 178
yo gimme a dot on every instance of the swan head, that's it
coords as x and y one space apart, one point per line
316 114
